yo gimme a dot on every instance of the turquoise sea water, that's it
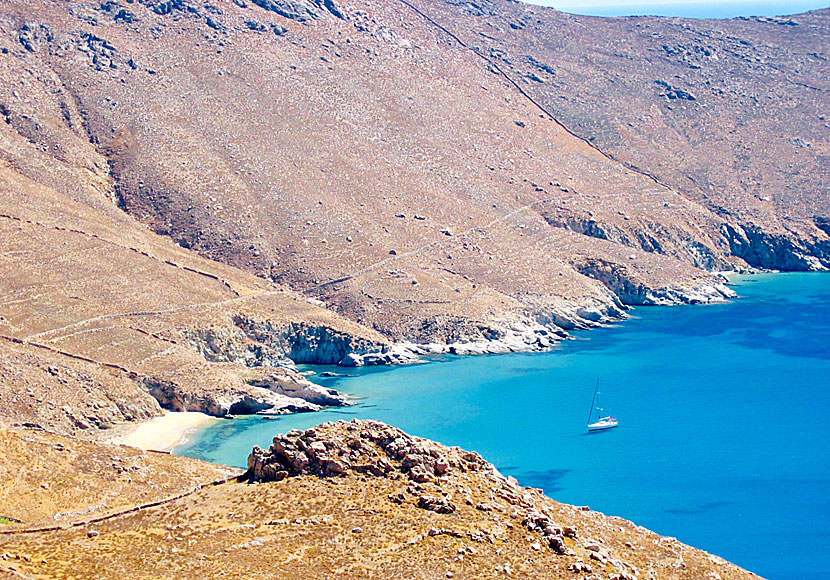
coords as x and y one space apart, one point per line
724 421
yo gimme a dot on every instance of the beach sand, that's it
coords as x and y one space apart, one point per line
165 432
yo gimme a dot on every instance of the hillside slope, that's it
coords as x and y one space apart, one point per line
731 114
102 320
361 155
382 519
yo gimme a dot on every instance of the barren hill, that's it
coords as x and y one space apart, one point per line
436 512
731 114
363 155
97 313
194 193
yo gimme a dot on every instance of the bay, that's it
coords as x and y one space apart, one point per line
723 414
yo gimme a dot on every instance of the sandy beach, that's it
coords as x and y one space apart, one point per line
165 432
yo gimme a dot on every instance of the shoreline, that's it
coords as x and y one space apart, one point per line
163 433
733 324
175 428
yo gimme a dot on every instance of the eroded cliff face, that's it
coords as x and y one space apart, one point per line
263 390
766 250
630 289
307 344
229 344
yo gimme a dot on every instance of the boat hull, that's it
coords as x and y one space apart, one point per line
602 425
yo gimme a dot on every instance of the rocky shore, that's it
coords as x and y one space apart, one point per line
271 353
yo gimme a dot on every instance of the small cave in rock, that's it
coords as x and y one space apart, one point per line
248 406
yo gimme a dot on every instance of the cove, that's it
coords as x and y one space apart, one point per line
723 410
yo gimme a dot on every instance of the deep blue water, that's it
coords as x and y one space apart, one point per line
683 8
724 421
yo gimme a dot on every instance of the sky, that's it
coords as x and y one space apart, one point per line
685 8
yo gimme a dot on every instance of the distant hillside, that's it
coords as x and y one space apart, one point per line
337 176
361 154
731 114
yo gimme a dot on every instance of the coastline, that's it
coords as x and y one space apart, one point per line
177 428
163 433
771 333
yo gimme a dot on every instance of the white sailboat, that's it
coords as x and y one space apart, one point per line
601 423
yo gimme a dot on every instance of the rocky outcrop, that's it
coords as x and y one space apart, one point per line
765 250
369 447
257 343
301 10
375 449
528 336
652 237
625 284
229 344
671 93
310 344
268 391
395 355
544 323
284 382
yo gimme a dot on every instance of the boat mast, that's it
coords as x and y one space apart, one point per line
591 411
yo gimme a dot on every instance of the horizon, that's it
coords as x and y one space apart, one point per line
681 8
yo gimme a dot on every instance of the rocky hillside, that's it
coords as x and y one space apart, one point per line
731 114
103 321
396 506
366 155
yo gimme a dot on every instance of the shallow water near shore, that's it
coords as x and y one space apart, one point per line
723 435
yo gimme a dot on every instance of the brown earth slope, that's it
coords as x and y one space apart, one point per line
102 320
356 153
732 114
97 313
359 154
452 517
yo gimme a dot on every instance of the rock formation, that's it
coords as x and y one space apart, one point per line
360 446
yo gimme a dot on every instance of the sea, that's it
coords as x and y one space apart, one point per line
723 409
